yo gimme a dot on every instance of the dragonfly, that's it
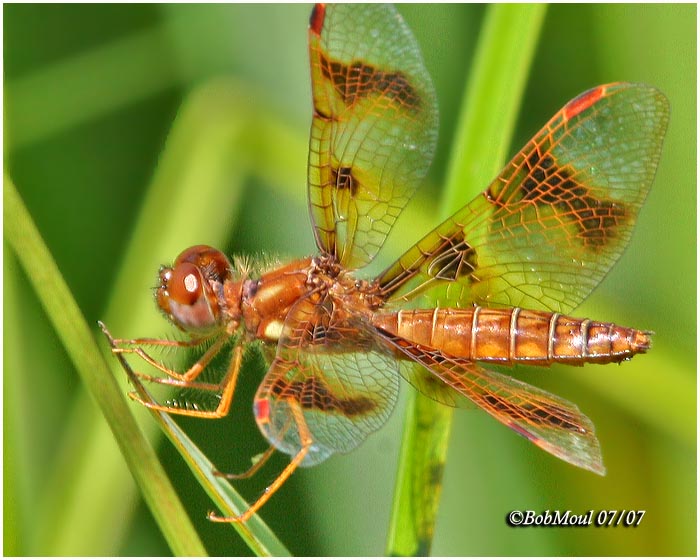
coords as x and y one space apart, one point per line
506 270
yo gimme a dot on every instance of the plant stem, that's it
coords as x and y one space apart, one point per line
71 327
486 123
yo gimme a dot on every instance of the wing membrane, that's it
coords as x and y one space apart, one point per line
551 423
374 126
345 385
549 228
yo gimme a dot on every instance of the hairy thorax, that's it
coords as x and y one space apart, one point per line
266 301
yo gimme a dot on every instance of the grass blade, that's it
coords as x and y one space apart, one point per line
81 346
487 120
255 532
206 158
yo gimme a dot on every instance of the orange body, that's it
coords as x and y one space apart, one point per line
515 335
533 245
265 302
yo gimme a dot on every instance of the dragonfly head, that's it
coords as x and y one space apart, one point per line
190 292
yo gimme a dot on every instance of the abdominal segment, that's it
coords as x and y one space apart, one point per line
508 336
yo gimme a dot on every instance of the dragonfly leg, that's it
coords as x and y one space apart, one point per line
190 375
262 459
306 441
201 386
227 387
123 342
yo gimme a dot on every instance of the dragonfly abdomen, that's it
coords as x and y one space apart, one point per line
515 335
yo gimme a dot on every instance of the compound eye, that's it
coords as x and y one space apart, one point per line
189 290
185 284
212 262
186 298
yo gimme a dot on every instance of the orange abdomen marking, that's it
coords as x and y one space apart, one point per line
515 335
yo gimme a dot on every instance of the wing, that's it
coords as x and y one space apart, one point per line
551 423
549 228
332 369
374 126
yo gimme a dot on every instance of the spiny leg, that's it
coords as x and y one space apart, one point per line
190 375
227 386
306 441
200 386
252 470
123 346
262 459
121 342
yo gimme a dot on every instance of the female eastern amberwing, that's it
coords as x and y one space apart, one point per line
505 268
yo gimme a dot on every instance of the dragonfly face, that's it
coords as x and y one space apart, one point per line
190 292
508 268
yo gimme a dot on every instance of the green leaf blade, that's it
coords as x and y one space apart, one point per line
486 123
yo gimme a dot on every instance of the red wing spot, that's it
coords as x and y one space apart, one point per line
261 409
318 15
583 102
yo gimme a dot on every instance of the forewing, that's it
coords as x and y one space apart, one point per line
332 370
551 423
559 215
374 126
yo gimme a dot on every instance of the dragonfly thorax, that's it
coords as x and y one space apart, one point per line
265 302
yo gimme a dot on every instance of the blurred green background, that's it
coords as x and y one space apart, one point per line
141 129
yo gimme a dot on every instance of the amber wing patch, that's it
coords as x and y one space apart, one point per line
374 127
344 383
558 216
